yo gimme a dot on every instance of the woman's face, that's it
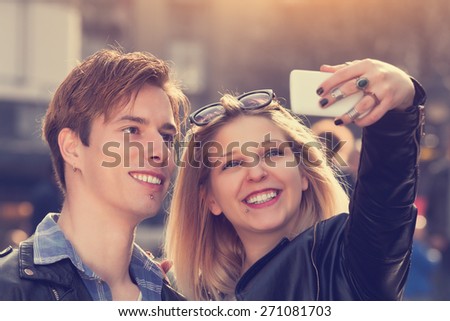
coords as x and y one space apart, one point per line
255 180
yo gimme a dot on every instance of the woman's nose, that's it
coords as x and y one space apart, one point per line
256 172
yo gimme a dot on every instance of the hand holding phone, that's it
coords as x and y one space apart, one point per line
305 101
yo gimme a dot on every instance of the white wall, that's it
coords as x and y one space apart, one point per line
40 42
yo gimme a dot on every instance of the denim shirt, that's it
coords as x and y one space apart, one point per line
50 246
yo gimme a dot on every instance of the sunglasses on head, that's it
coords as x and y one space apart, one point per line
251 100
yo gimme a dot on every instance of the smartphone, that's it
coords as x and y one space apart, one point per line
305 101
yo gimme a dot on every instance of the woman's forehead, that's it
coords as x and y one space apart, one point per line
249 129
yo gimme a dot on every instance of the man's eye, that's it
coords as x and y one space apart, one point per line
169 139
131 130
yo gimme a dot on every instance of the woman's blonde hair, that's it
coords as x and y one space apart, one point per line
205 249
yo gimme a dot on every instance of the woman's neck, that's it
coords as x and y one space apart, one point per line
256 247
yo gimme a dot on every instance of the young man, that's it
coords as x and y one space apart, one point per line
110 127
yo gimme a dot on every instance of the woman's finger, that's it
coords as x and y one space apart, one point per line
344 90
374 115
359 111
344 73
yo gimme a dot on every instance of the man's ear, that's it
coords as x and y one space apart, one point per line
69 144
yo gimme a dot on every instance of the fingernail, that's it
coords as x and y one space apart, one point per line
323 102
338 122
319 91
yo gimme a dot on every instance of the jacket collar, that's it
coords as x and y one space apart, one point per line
255 268
61 272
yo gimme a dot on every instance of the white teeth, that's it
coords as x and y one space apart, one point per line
261 198
147 178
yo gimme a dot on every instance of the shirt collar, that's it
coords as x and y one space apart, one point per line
50 246
146 273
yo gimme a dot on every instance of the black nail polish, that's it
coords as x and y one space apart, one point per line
323 102
338 122
319 91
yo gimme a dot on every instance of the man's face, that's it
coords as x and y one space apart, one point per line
128 164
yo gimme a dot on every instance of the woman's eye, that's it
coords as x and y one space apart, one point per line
232 163
274 152
131 130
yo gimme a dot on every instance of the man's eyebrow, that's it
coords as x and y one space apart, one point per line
144 121
134 119
169 127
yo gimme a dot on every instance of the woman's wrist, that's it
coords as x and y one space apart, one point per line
418 99
420 96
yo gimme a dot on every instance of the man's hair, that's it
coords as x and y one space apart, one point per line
98 86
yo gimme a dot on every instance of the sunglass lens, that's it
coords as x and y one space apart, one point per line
205 116
255 100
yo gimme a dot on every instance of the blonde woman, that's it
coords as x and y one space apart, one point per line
256 207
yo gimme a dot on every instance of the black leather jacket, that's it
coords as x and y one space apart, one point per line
364 255
21 280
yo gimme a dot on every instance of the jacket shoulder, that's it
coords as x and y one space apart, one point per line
10 281
9 262
6 251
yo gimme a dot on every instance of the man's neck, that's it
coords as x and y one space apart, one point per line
102 238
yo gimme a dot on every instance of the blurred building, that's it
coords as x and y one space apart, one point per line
41 41
215 45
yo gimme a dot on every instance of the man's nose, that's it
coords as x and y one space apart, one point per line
158 151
